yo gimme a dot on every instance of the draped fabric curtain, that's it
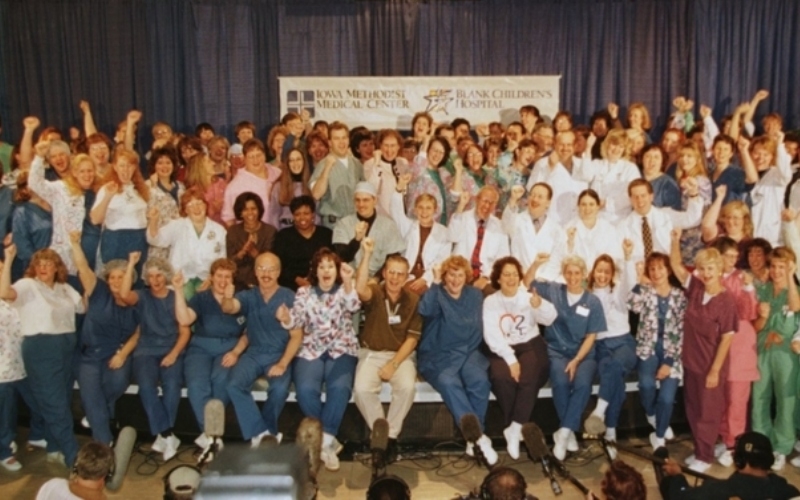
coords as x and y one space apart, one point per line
187 61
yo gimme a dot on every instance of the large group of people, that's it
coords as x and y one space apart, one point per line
486 259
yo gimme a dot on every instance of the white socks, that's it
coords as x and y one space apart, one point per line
600 409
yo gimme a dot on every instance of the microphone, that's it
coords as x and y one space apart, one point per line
538 451
214 428
379 441
471 429
122 455
309 438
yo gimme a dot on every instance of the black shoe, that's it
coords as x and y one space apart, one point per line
391 452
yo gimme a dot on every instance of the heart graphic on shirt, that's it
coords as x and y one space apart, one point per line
511 325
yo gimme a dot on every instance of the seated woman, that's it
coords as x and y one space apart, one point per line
615 347
121 207
570 346
216 344
296 245
158 357
248 238
518 362
109 334
710 322
324 310
426 239
448 355
195 240
661 306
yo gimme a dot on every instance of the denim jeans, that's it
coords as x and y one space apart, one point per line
570 397
337 375
8 417
48 362
38 429
657 402
101 387
251 365
205 376
616 358
148 372
464 389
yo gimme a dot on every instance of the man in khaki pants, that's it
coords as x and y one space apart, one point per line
391 332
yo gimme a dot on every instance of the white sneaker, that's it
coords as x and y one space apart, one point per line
485 445
11 464
668 434
719 449
700 466
330 455
470 451
795 461
56 457
512 441
256 441
159 445
572 442
85 423
725 458
560 438
611 434
780 461
173 443
656 442
690 459
202 441
37 443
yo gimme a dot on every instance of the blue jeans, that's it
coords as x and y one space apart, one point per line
251 365
8 417
464 389
658 402
101 387
205 376
570 398
38 430
616 358
337 375
147 371
48 362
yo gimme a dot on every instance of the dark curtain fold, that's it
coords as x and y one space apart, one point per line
187 61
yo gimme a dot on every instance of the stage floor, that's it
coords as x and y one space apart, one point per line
432 475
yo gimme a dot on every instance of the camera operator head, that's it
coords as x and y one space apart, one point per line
503 483
623 481
753 451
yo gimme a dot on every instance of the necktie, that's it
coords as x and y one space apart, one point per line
475 261
647 237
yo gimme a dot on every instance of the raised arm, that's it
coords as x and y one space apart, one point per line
89 127
98 213
230 304
362 276
6 291
85 273
183 313
709 227
126 292
675 256
320 185
397 208
750 172
754 102
30 125
131 123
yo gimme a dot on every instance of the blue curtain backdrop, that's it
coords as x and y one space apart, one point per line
187 61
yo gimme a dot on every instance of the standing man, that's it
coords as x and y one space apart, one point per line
334 179
392 328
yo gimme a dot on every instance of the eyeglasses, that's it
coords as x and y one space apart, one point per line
265 269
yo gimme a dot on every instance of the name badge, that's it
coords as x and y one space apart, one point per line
394 319
582 311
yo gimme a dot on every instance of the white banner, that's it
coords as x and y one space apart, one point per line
391 102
